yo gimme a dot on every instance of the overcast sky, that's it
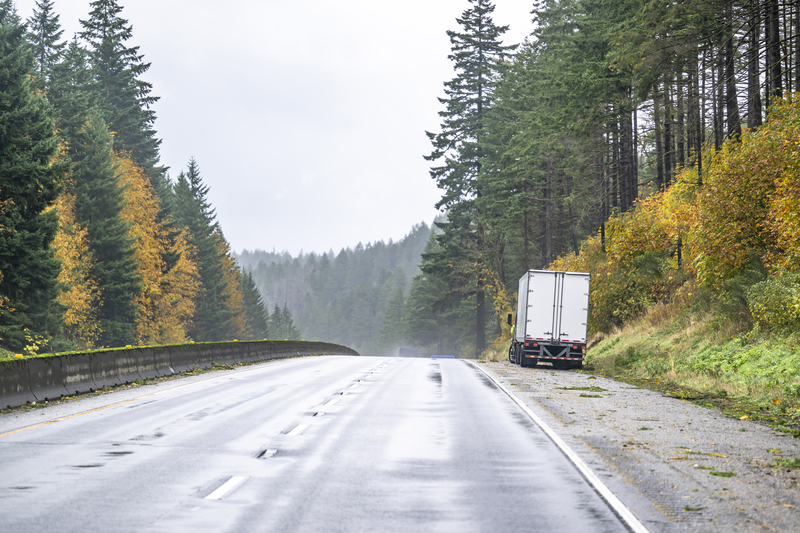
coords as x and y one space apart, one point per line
306 117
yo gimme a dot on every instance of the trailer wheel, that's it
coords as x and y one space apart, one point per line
522 358
511 353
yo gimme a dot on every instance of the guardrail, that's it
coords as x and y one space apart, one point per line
47 378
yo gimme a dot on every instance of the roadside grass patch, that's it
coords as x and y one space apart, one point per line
590 396
791 464
705 358
722 474
590 389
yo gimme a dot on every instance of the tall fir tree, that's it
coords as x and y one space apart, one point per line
68 91
117 87
213 319
476 53
30 182
256 311
98 206
44 33
281 324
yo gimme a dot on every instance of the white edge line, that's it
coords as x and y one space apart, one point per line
615 503
227 487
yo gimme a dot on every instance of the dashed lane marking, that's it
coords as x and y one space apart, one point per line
297 430
226 488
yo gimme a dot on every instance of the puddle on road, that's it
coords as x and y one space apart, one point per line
153 436
115 454
98 465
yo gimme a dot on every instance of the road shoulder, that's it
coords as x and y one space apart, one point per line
677 466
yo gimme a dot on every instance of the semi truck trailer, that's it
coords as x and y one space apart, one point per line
552 318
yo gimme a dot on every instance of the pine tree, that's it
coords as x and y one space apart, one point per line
98 208
44 32
290 331
117 87
281 324
68 91
213 319
476 54
30 182
256 310
392 334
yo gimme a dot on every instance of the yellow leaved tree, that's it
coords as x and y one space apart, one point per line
232 294
166 301
80 294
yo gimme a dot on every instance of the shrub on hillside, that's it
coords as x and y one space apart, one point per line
775 303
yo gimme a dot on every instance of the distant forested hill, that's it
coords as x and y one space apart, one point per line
340 297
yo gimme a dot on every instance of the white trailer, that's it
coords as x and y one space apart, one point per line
552 318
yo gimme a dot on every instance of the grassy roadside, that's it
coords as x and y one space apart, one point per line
746 375
704 357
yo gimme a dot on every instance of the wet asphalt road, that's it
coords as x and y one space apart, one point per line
310 444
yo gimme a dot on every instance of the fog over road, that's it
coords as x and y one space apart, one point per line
308 444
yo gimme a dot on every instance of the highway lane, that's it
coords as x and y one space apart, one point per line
309 444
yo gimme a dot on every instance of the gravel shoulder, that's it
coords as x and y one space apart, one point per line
677 466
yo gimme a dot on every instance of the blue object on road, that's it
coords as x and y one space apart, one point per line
443 357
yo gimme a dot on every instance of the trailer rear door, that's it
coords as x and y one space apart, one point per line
542 300
574 312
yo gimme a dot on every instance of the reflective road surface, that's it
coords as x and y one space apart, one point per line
309 444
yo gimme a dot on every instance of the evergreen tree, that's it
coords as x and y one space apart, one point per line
29 183
98 206
476 54
281 324
44 33
117 87
256 311
213 319
68 90
289 330
392 334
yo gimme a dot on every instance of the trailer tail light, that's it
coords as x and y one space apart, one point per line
575 347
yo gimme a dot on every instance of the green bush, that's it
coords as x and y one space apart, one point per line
774 303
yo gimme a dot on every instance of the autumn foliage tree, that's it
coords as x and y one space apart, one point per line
80 292
741 224
165 304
